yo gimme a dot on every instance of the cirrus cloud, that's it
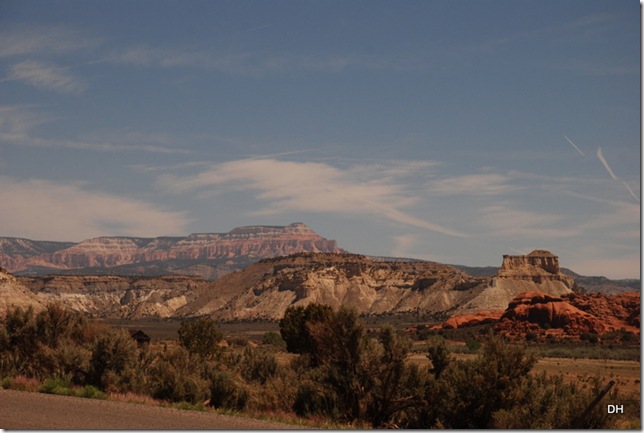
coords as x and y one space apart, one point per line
47 76
40 209
286 186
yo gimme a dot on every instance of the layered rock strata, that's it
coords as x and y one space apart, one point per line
537 272
114 296
14 294
267 288
252 243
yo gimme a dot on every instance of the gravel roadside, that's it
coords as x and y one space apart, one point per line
30 410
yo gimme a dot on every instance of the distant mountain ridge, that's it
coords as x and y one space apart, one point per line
207 255
589 284
201 254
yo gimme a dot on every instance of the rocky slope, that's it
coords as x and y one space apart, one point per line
204 254
14 294
114 296
376 287
266 289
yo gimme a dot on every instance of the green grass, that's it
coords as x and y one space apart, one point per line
61 386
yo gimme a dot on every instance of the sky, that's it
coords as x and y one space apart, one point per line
448 130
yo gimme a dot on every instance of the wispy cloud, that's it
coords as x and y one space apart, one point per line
25 40
504 219
40 209
17 125
287 186
247 63
474 184
47 76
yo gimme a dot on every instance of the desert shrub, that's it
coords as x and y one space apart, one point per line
200 336
56 324
312 398
473 390
497 390
227 391
114 361
391 385
65 359
352 375
273 339
238 341
19 342
472 345
548 402
175 375
90 391
257 366
277 394
440 358
56 385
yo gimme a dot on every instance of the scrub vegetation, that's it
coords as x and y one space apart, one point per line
338 373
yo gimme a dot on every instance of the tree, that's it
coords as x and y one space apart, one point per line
200 336
440 358
294 326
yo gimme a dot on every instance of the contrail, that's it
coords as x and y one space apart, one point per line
630 190
573 145
603 161
600 156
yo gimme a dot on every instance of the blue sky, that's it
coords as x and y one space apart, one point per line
454 131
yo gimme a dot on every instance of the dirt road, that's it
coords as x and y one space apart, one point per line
29 410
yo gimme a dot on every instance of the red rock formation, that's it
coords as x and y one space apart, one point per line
467 320
571 315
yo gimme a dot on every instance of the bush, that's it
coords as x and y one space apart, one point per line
227 392
314 399
175 375
440 358
57 386
258 366
113 364
273 339
91 392
200 336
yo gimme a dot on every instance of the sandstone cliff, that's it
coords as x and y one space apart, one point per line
114 296
266 289
537 272
203 254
